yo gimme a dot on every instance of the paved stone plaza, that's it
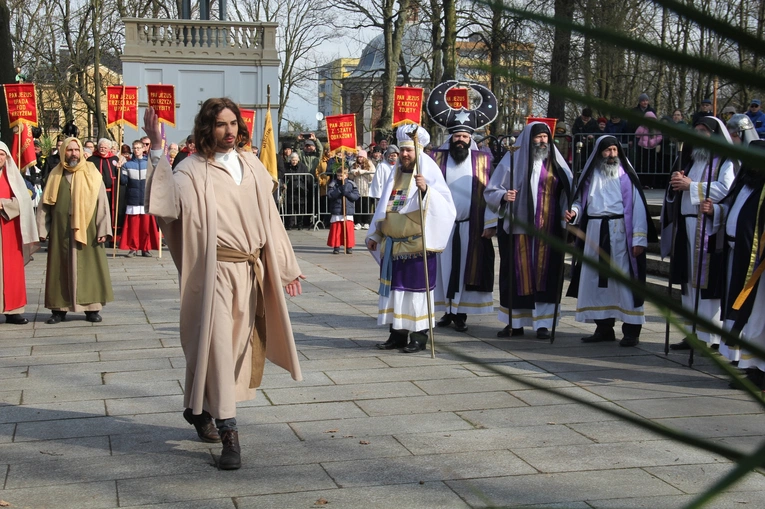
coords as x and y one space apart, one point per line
90 415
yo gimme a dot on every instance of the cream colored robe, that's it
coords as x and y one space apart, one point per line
198 208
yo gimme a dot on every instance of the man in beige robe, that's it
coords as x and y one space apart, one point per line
233 257
74 216
18 238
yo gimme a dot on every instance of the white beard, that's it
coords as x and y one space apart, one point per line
700 154
609 170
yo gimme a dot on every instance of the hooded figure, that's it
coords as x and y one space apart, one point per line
74 216
610 207
681 215
540 193
395 239
742 216
18 238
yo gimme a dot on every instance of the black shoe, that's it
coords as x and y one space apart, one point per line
682 345
349 251
204 425
417 342
445 321
543 333
16 319
336 250
599 337
629 341
130 254
231 455
504 333
56 317
517 332
395 341
460 325
93 316
146 254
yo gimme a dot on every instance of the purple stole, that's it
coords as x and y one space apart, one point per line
544 217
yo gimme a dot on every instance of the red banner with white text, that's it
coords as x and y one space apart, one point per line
407 105
22 103
122 106
162 99
341 133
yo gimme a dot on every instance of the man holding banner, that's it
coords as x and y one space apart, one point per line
233 257
395 239
465 282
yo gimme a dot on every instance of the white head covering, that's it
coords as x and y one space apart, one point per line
404 140
21 193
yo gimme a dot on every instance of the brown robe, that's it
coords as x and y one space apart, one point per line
77 277
198 208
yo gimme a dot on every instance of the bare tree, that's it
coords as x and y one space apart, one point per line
7 73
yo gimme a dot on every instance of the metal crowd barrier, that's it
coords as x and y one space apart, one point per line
297 199
652 165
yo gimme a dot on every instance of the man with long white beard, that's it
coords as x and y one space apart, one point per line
538 195
465 282
609 206
681 215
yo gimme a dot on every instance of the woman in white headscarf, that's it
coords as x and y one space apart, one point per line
18 237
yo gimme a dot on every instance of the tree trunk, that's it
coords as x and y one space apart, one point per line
436 35
7 72
389 77
449 46
100 123
556 107
495 59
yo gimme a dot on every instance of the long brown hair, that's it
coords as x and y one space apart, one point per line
204 125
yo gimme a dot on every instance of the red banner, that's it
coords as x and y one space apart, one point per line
549 121
457 98
249 120
162 99
407 105
22 103
23 148
122 106
341 133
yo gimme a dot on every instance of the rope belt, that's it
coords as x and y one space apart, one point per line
605 244
230 255
386 272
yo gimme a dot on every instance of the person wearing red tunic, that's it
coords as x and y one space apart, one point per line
18 236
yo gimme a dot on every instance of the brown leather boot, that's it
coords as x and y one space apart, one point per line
230 456
204 425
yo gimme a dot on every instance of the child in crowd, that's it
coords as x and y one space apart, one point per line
341 188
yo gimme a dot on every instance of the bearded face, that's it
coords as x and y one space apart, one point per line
610 167
700 154
539 150
459 148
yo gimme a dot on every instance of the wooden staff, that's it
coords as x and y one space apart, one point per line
703 219
413 135
511 240
116 198
678 217
342 198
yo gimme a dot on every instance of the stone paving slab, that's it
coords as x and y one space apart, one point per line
442 442
342 392
426 468
445 403
517 491
216 484
85 495
109 392
412 496
573 458
54 450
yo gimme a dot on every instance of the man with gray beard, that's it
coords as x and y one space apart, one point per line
538 194
681 215
609 206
